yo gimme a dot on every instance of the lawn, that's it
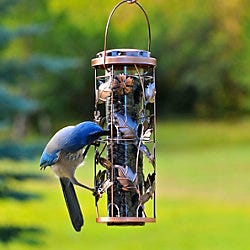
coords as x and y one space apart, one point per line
203 197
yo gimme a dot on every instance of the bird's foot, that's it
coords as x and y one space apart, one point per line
74 181
43 167
103 188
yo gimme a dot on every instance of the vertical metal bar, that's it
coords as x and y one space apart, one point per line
112 144
126 117
95 113
154 141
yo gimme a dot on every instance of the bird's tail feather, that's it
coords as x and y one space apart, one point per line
72 203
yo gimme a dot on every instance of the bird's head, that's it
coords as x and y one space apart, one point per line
88 132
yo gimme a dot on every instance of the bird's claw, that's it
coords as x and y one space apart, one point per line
102 188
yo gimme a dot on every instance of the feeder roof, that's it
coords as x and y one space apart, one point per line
123 56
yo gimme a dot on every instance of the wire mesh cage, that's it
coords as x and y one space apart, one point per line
125 160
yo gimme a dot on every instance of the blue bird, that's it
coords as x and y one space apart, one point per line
64 153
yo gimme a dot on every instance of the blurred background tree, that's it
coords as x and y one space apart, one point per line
199 67
201 46
22 70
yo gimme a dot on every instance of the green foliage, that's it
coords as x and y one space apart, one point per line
199 56
18 152
9 233
22 68
198 47
202 50
8 35
14 104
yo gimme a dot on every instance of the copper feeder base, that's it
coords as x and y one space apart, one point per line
125 221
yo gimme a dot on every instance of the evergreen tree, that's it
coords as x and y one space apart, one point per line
20 69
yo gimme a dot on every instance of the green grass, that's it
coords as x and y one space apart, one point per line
203 190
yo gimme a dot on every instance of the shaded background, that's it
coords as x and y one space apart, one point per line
203 81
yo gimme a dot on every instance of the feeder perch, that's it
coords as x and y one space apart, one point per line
125 160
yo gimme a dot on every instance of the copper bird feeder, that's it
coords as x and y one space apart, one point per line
125 159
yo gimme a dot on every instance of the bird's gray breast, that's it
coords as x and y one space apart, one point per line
75 157
67 163
72 159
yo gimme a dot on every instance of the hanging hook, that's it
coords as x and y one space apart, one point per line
108 22
131 1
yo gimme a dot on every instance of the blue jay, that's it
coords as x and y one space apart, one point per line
64 153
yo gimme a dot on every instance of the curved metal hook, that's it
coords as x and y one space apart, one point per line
109 19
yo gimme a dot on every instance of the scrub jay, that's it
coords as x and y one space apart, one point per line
64 153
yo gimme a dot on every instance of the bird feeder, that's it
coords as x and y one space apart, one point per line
125 159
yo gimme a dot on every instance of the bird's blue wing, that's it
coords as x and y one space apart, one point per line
82 134
48 159
70 139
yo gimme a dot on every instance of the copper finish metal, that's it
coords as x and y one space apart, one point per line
124 56
125 220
